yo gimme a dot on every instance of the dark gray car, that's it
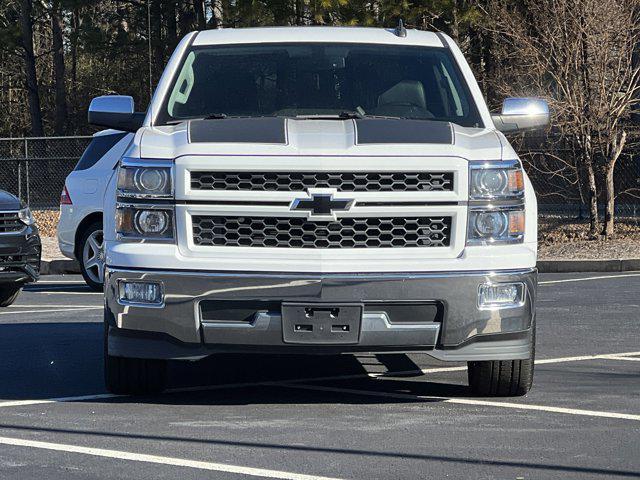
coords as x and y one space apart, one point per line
20 248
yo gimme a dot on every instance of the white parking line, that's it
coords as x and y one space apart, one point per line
459 369
602 356
621 357
469 401
50 310
177 462
205 388
46 286
378 374
103 396
78 398
49 305
47 292
584 279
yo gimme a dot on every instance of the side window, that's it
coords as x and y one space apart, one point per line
98 147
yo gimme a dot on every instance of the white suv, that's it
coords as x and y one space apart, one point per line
80 226
320 190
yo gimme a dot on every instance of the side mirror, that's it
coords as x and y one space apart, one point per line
522 114
115 111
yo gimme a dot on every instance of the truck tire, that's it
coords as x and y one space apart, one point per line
8 295
501 378
133 376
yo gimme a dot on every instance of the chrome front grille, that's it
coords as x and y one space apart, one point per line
299 232
10 222
342 181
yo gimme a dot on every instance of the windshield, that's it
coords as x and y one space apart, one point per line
319 80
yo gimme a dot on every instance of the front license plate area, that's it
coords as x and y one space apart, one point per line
321 323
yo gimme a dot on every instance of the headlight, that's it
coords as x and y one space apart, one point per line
26 216
144 182
151 222
495 226
144 223
495 180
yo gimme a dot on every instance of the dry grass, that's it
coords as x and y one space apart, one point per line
47 220
566 238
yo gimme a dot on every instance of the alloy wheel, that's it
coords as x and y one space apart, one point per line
93 256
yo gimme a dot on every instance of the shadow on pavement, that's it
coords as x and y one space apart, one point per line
60 359
80 287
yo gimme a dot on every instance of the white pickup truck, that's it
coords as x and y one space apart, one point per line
319 190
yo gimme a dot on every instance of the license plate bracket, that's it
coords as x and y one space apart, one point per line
318 323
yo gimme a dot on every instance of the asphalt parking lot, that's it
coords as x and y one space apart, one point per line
303 418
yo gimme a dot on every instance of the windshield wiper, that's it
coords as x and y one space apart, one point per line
343 115
347 114
215 116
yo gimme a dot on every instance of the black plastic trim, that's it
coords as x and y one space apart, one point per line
488 337
442 39
391 130
127 122
268 130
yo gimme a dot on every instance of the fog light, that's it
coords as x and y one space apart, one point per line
148 293
500 295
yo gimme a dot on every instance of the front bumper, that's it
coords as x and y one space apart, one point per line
457 330
20 256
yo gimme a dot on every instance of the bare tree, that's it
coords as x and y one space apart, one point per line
577 53
200 11
617 77
58 67
31 79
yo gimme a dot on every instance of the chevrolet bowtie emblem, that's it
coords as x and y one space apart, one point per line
321 204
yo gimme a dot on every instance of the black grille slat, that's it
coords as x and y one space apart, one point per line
11 261
10 222
10 227
16 262
299 232
342 181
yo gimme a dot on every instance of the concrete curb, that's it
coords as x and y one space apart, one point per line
576 266
62 266
58 266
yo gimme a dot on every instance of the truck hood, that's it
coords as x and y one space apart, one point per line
271 136
8 201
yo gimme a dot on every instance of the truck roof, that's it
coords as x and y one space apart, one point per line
316 34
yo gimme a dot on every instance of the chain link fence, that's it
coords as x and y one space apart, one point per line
35 169
561 185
